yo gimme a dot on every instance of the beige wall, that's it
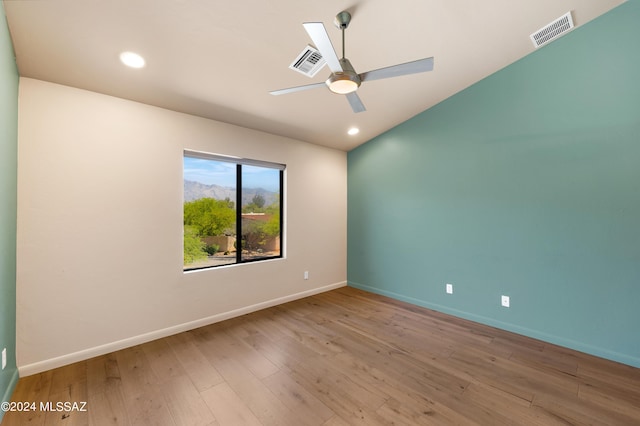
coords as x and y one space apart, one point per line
100 225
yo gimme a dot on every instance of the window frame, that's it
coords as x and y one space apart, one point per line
239 162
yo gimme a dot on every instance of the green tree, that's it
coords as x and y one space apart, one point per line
209 217
194 248
256 205
254 236
258 200
272 226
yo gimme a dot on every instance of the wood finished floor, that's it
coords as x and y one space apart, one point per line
339 358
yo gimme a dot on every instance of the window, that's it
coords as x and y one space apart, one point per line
232 210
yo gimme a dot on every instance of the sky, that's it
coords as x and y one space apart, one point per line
221 173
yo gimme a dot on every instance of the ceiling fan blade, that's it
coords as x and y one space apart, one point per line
414 67
298 88
355 102
320 38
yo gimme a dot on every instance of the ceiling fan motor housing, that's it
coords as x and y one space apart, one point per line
345 81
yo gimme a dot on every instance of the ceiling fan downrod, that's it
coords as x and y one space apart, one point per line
342 21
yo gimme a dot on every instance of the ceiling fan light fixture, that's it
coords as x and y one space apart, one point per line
342 84
345 81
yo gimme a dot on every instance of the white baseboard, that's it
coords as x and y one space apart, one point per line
48 364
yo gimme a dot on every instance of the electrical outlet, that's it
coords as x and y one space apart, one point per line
505 301
306 275
4 358
449 288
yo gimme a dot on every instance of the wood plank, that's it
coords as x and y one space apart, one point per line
512 377
262 402
108 408
499 407
261 343
149 408
221 345
186 405
427 412
137 376
609 398
228 408
298 399
342 393
336 421
162 360
103 374
195 364
570 410
545 359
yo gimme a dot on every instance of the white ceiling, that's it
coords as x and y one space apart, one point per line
219 59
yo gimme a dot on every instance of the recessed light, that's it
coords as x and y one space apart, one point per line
353 131
132 60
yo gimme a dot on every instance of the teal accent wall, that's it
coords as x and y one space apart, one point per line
8 207
526 184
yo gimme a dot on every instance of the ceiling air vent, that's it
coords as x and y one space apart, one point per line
309 62
552 31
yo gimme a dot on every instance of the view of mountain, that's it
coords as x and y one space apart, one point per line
196 190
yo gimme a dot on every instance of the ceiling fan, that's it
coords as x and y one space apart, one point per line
343 79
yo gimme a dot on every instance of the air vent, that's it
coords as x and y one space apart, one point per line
552 31
309 62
